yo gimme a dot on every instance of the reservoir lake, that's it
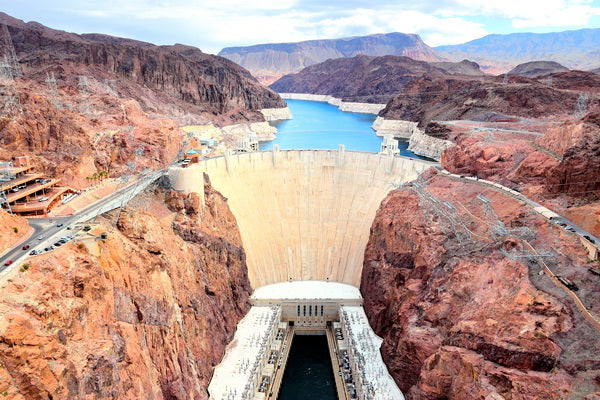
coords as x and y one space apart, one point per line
319 125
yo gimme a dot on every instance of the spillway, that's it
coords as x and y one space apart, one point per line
302 214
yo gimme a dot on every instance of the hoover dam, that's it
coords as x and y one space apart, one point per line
303 214
304 218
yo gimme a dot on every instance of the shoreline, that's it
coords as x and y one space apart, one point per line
361 108
419 142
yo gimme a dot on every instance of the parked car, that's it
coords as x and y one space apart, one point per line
26 247
43 199
87 228
589 239
8 262
59 225
33 252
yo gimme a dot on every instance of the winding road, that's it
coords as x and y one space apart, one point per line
48 227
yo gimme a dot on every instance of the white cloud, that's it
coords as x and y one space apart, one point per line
213 24
527 13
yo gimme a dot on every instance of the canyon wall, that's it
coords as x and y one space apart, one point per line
164 79
144 314
463 315
303 214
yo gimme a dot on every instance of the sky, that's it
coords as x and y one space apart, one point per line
213 24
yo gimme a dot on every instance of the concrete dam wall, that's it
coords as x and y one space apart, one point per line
302 214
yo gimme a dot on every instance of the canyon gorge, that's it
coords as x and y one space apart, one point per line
460 281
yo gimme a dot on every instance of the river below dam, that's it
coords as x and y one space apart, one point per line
319 125
308 374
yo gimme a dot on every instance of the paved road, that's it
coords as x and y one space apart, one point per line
559 221
486 128
48 226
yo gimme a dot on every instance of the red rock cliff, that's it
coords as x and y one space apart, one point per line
462 315
153 75
145 314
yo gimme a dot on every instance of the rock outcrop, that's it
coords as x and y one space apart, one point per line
563 162
145 314
92 103
169 80
13 229
69 145
364 78
268 60
427 146
535 69
430 98
461 314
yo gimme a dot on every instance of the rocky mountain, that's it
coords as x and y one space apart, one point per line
535 69
464 67
366 79
494 98
167 80
577 49
461 315
89 103
282 58
145 314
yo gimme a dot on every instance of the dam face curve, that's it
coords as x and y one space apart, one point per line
302 214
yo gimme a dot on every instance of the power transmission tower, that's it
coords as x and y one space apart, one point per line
110 87
82 84
11 106
8 51
52 90
581 107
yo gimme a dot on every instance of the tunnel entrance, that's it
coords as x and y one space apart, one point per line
308 374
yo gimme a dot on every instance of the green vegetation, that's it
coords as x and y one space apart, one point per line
15 229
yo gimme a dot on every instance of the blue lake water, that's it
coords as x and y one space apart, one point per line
318 125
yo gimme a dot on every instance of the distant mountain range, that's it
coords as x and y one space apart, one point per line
578 49
282 58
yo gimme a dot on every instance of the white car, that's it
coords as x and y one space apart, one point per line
41 237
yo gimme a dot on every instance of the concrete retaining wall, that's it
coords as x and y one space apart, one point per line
302 214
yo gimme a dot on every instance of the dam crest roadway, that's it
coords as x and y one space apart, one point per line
302 214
